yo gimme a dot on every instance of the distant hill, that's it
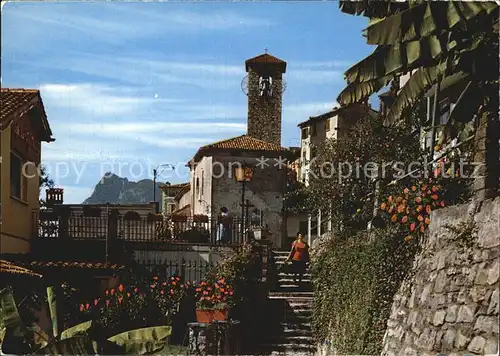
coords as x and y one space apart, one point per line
117 190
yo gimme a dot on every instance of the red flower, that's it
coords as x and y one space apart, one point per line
231 293
107 302
177 278
418 200
162 292
106 292
96 301
164 284
81 307
404 219
427 221
412 226
413 188
155 278
419 208
442 204
198 289
428 209
172 291
406 191
203 283
383 206
153 286
420 218
120 300
174 283
121 288
128 295
435 189
434 197
422 228
87 306
113 291
135 290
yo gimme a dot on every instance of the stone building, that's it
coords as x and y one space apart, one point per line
213 184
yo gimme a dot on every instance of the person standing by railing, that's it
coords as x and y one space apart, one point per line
223 226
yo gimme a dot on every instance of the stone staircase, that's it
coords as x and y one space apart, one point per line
289 313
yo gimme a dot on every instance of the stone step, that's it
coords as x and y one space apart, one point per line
290 274
292 296
296 326
296 340
287 348
306 331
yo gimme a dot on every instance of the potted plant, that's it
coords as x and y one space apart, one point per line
204 303
214 300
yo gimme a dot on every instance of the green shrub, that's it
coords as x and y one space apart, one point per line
355 280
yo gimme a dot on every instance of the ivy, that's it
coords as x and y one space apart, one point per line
355 280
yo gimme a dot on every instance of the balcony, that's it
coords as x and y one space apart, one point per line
101 224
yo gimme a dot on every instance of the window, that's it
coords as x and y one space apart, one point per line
202 182
304 155
18 181
198 186
327 125
305 133
313 130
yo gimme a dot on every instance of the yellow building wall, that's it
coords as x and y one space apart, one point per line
17 216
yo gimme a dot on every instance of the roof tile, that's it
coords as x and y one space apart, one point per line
265 58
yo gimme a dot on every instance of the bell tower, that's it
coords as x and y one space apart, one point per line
264 86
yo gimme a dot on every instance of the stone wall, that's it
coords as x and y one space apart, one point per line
450 303
264 114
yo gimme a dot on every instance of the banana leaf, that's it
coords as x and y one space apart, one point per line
137 347
51 300
424 20
79 329
414 88
356 92
156 333
10 315
79 345
398 58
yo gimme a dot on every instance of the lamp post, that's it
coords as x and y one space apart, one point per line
243 174
155 174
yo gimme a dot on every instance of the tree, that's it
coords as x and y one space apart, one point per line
437 42
45 183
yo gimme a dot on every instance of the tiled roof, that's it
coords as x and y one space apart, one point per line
11 268
265 59
16 102
353 109
73 264
245 142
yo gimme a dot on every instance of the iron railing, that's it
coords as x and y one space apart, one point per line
110 225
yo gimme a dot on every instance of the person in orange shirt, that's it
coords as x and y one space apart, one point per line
299 254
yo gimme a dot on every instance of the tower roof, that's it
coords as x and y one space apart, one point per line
266 59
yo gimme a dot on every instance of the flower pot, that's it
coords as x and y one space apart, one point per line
204 316
221 314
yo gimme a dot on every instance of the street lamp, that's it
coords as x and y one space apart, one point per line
243 174
155 174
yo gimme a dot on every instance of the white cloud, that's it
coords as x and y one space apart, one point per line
121 22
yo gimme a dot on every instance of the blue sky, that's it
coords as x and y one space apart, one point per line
127 86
